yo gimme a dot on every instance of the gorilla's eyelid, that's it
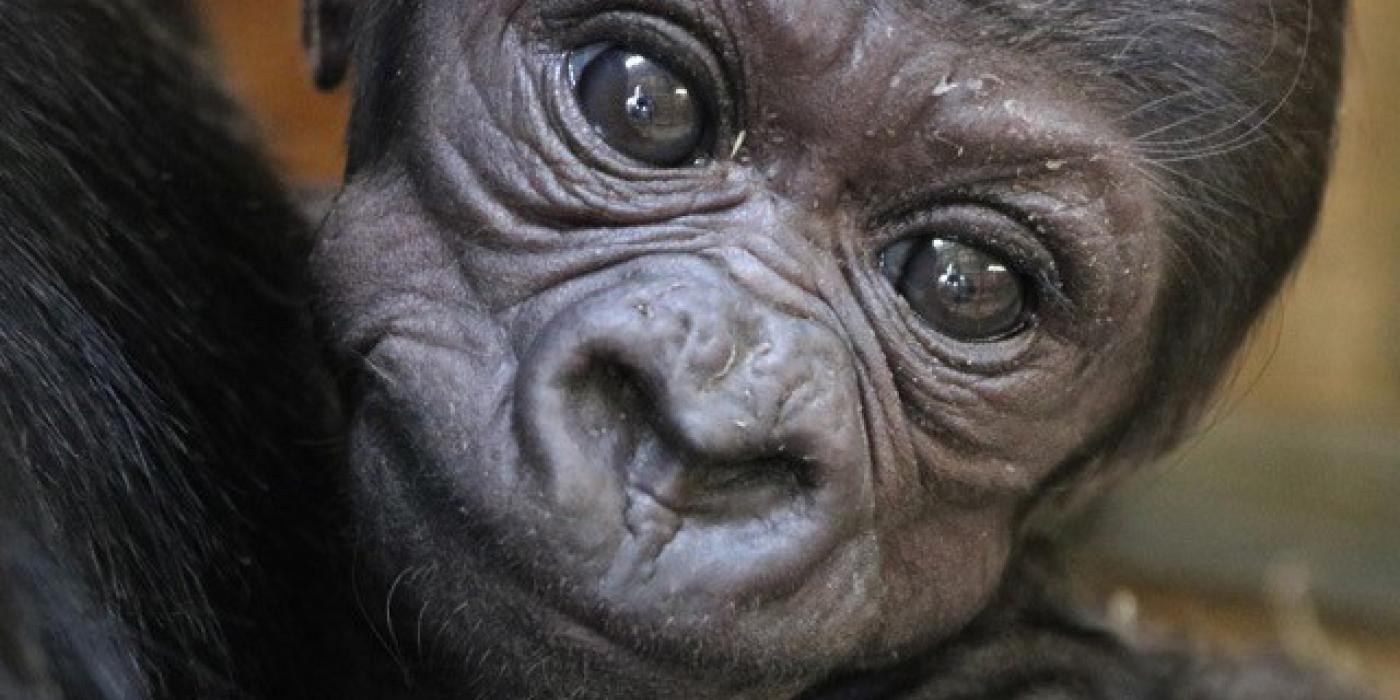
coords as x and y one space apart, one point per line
977 185
685 46
993 226
579 59
688 57
684 14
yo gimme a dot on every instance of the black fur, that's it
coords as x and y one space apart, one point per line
1033 643
159 412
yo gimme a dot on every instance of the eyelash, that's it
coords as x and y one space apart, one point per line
1027 257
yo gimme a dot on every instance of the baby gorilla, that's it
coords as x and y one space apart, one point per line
726 349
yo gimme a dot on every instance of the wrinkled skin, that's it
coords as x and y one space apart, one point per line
774 420
627 429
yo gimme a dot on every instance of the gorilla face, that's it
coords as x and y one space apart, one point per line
719 345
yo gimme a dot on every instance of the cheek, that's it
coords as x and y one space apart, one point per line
982 438
942 571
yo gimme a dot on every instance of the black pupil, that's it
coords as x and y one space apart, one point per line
958 289
637 105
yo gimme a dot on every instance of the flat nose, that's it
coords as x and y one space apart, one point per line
704 398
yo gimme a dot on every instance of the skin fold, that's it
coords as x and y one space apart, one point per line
668 428
651 349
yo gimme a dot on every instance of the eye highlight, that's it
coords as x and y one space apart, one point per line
638 106
958 289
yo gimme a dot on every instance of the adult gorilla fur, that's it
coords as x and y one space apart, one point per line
158 414
171 511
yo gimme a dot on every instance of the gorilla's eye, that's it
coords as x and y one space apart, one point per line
638 106
960 290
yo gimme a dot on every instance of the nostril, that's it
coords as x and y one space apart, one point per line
626 418
752 488
606 399
722 477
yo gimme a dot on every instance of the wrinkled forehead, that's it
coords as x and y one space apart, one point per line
858 50
1174 69
813 29
810 33
802 36
1086 41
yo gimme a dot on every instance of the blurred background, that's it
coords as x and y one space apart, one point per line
1279 524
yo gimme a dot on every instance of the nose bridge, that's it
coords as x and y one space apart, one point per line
813 181
749 379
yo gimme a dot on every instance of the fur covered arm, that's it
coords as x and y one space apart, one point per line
1032 644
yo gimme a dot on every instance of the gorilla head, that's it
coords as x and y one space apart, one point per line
713 348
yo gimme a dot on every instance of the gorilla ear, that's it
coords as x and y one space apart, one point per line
326 33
